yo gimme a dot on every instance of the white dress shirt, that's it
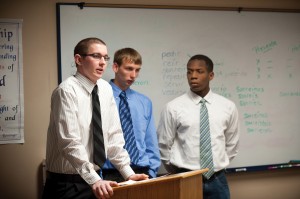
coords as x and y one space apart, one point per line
179 131
70 140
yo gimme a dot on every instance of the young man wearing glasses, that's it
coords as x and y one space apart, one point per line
72 171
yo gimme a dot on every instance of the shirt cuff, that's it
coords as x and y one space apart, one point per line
126 172
152 173
91 178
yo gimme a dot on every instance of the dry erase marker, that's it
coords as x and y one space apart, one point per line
286 166
294 161
240 169
273 167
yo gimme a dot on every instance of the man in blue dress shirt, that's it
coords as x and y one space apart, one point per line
127 65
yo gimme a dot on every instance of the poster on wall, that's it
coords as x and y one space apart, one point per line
11 82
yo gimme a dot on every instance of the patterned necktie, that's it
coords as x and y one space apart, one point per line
99 150
127 128
206 159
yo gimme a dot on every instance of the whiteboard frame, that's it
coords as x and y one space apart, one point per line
237 9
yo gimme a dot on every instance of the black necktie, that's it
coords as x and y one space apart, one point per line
99 150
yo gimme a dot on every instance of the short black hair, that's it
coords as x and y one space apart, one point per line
209 63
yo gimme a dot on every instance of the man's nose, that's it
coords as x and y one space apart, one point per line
134 74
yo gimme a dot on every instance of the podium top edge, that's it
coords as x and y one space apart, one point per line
168 177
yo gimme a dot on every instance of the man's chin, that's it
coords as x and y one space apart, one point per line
99 75
195 89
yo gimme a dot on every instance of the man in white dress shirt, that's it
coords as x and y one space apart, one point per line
179 129
71 172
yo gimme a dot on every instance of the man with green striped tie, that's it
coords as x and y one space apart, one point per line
200 129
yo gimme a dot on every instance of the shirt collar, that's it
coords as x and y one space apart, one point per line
85 82
117 90
196 98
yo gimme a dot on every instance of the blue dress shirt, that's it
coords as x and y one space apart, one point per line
143 127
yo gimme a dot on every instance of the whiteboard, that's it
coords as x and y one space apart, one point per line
256 57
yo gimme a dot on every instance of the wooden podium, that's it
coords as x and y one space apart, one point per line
187 185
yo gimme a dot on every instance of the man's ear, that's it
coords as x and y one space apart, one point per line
211 75
78 59
115 67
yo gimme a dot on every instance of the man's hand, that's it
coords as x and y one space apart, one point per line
138 177
102 189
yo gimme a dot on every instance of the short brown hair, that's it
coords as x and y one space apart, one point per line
127 54
83 46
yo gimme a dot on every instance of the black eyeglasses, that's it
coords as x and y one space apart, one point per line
97 56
